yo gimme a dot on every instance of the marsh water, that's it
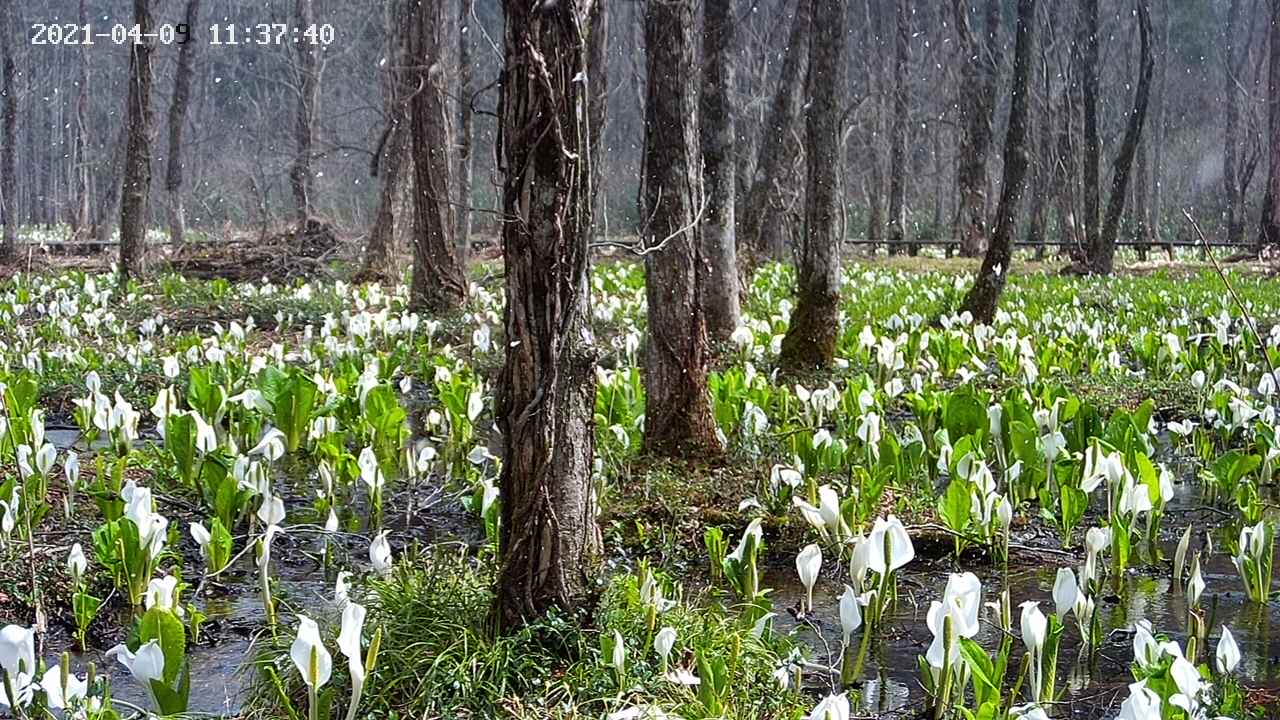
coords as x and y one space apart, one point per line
1094 683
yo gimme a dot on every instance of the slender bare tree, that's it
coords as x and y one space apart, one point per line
177 120
985 293
550 544
979 72
677 419
136 185
898 128
719 161
762 231
810 341
9 152
1269 230
439 284
301 179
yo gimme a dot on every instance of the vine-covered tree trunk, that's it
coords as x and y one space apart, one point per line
308 85
549 541
978 76
898 128
438 281
1269 230
762 226
985 293
380 247
677 419
1102 248
810 341
136 185
719 160
177 120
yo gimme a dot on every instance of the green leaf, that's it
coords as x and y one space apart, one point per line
166 629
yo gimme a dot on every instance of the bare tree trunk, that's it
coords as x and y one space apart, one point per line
380 247
1269 232
178 118
1141 196
810 341
677 419
898 130
439 284
978 77
985 293
719 244
550 544
762 226
300 175
1092 142
466 162
1231 133
9 153
1102 249
81 216
136 185
1161 131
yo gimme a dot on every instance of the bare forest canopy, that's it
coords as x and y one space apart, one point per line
1208 112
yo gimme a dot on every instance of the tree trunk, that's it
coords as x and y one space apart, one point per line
178 118
978 77
719 244
1161 131
136 185
1102 249
898 130
109 205
8 153
985 293
81 216
300 176
762 236
380 247
810 341
439 284
1141 197
1092 142
1269 233
550 544
677 420
1231 132
466 161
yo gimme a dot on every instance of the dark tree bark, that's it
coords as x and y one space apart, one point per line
1089 60
719 243
109 202
178 119
1231 186
762 226
301 179
677 420
898 128
466 161
136 185
810 341
1269 232
8 153
81 217
985 293
1102 248
439 284
380 247
550 544
978 76
1161 130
